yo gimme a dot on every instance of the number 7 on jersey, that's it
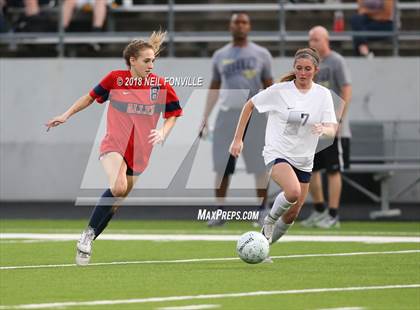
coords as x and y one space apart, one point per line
295 120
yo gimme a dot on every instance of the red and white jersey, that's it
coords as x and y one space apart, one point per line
134 110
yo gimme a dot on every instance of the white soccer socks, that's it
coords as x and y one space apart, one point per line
280 206
280 228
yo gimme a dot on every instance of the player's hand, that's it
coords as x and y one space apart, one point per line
156 136
203 130
236 148
318 129
54 122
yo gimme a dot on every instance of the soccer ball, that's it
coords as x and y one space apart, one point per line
252 247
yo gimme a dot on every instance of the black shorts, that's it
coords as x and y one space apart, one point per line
303 176
335 157
131 172
21 4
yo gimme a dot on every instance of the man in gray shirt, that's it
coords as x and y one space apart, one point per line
240 69
333 74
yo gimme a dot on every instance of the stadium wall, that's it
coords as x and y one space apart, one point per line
36 165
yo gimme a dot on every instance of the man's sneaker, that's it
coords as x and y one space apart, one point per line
215 222
268 227
84 247
314 218
329 222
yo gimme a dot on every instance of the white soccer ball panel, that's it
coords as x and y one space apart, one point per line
252 247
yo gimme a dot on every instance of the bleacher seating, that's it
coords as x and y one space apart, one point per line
198 28
382 149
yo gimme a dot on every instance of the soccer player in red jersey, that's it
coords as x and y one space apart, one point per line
137 98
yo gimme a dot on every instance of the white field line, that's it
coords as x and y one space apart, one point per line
343 308
188 237
207 296
196 260
219 232
190 307
30 241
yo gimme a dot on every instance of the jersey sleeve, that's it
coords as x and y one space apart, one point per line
328 115
172 107
101 91
263 101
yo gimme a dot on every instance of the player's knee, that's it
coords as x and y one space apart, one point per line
292 194
119 189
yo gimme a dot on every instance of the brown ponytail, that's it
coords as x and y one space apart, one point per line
288 77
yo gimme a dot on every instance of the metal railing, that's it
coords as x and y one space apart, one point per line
281 35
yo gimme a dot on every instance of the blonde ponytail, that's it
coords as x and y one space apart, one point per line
156 39
134 48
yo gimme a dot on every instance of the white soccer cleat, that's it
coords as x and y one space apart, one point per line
86 239
277 233
82 259
268 227
314 218
84 247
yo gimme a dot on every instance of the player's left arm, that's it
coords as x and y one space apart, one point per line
158 136
172 111
325 129
328 125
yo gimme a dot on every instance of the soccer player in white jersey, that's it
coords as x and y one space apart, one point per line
299 112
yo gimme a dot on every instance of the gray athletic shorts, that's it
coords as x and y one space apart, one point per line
254 141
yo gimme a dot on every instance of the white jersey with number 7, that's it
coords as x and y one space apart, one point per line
291 114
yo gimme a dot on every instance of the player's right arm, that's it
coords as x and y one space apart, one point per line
212 97
237 143
100 93
80 104
213 94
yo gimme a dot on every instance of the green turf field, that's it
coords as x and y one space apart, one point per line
159 274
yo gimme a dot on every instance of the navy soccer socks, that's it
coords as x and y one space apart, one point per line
102 213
